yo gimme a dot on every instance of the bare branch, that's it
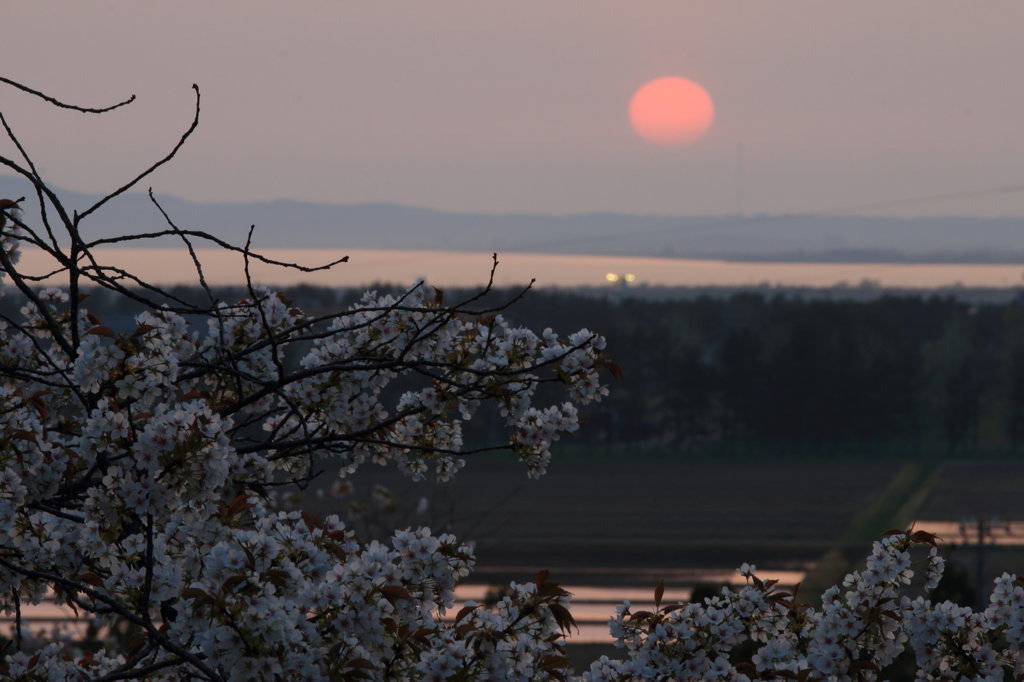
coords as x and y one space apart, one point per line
139 236
134 181
188 244
64 105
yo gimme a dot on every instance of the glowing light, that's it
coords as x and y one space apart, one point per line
671 111
612 277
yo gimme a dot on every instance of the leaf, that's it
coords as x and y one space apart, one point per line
563 618
438 296
69 600
395 592
39 406
541 577
311 521
924 538
463 612
233 581
6 204
659 592
198 595
336 550
613 369
90 578
101 330
549 591
239 504
135 644
142 329
746 668
259 489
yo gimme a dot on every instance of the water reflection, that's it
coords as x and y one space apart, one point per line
593 606
462 269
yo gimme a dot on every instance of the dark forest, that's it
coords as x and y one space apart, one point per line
751 372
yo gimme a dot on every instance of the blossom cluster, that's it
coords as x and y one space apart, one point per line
762 633
136 472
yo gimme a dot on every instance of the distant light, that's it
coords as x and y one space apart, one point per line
612 277
630 277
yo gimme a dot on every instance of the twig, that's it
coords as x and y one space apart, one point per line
64 105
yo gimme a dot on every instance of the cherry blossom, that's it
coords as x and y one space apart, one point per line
139 471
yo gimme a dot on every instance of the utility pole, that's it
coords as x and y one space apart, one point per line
983 532
739 178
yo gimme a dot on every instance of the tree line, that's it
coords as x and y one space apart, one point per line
762 371
753 370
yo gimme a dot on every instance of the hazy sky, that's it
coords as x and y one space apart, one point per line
500 107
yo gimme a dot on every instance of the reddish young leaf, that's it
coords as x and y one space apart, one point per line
395 592
142 329
613 369
924 538
311 521
103 331
463 612
90 579
135 645
563 618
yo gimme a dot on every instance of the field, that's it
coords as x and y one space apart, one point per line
611 520
609 527
989 492
612 523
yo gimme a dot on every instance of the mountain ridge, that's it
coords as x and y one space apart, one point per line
289 223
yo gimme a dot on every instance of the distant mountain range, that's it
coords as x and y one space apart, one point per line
299 224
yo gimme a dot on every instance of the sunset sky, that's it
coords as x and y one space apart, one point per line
522 107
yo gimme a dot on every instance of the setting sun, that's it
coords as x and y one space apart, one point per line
671 111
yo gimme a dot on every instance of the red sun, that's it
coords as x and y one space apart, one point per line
671 111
